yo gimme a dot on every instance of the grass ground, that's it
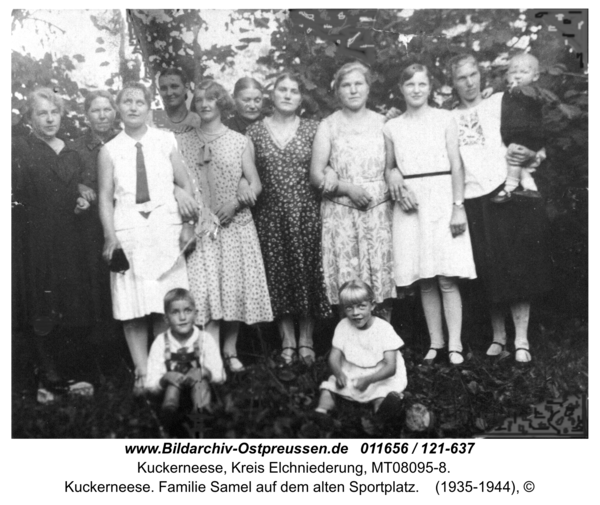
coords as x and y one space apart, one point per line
270 401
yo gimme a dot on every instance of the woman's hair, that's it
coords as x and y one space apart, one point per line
344 70
43 94
459 60
292 76
354 292
100 93
214 90
135 85
409 72
174 71
176 295
246 83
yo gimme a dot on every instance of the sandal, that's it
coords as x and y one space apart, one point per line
308 358
439 353
288 355
521 362
233 364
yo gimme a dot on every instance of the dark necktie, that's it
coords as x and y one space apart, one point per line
142 193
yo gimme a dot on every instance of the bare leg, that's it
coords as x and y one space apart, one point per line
499 331
136 335
231 329
288 338
377 403
432 307
326 402
453 313
307 353
520 314
214 328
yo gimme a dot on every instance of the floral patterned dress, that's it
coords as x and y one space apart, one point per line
358 243
288 221
226 272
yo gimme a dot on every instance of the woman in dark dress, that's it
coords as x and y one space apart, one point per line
248 98
288 218
45 182
100 112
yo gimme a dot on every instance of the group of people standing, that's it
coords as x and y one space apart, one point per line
265 217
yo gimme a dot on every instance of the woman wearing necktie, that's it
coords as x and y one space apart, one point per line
137 173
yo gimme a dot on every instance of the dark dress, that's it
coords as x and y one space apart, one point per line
289 223
521 120
88 148
45 185
240 124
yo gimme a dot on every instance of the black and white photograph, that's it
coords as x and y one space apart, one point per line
299 224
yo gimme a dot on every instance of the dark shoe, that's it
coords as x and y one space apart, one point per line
391 407
440 353
528 193
501 197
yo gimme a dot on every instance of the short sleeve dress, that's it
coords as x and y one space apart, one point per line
226 271
148 232
289 223
363 352
357 243
423 243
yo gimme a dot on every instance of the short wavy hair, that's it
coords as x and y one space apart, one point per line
135 85
355 292
215 91
175 71
43 94
344 70
99 93
176 295
458 61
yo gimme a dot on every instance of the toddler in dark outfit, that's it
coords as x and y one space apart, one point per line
521 123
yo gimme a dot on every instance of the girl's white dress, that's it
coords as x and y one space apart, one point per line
363 352
423 244
151 244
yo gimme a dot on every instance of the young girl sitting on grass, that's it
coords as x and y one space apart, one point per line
365 358
183 357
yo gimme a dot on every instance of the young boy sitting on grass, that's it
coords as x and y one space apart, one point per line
183 357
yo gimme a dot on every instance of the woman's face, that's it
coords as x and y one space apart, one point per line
133 108
248 103
172 91
101 115
45 119
416 90
206 107
287 96
353 90
467 81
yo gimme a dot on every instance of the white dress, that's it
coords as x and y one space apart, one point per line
150 244
423 244
363 352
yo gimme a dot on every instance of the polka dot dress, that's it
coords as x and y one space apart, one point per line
289 223
226 273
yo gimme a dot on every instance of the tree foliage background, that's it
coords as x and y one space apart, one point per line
145 41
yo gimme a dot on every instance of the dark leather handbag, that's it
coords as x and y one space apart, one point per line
118 263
